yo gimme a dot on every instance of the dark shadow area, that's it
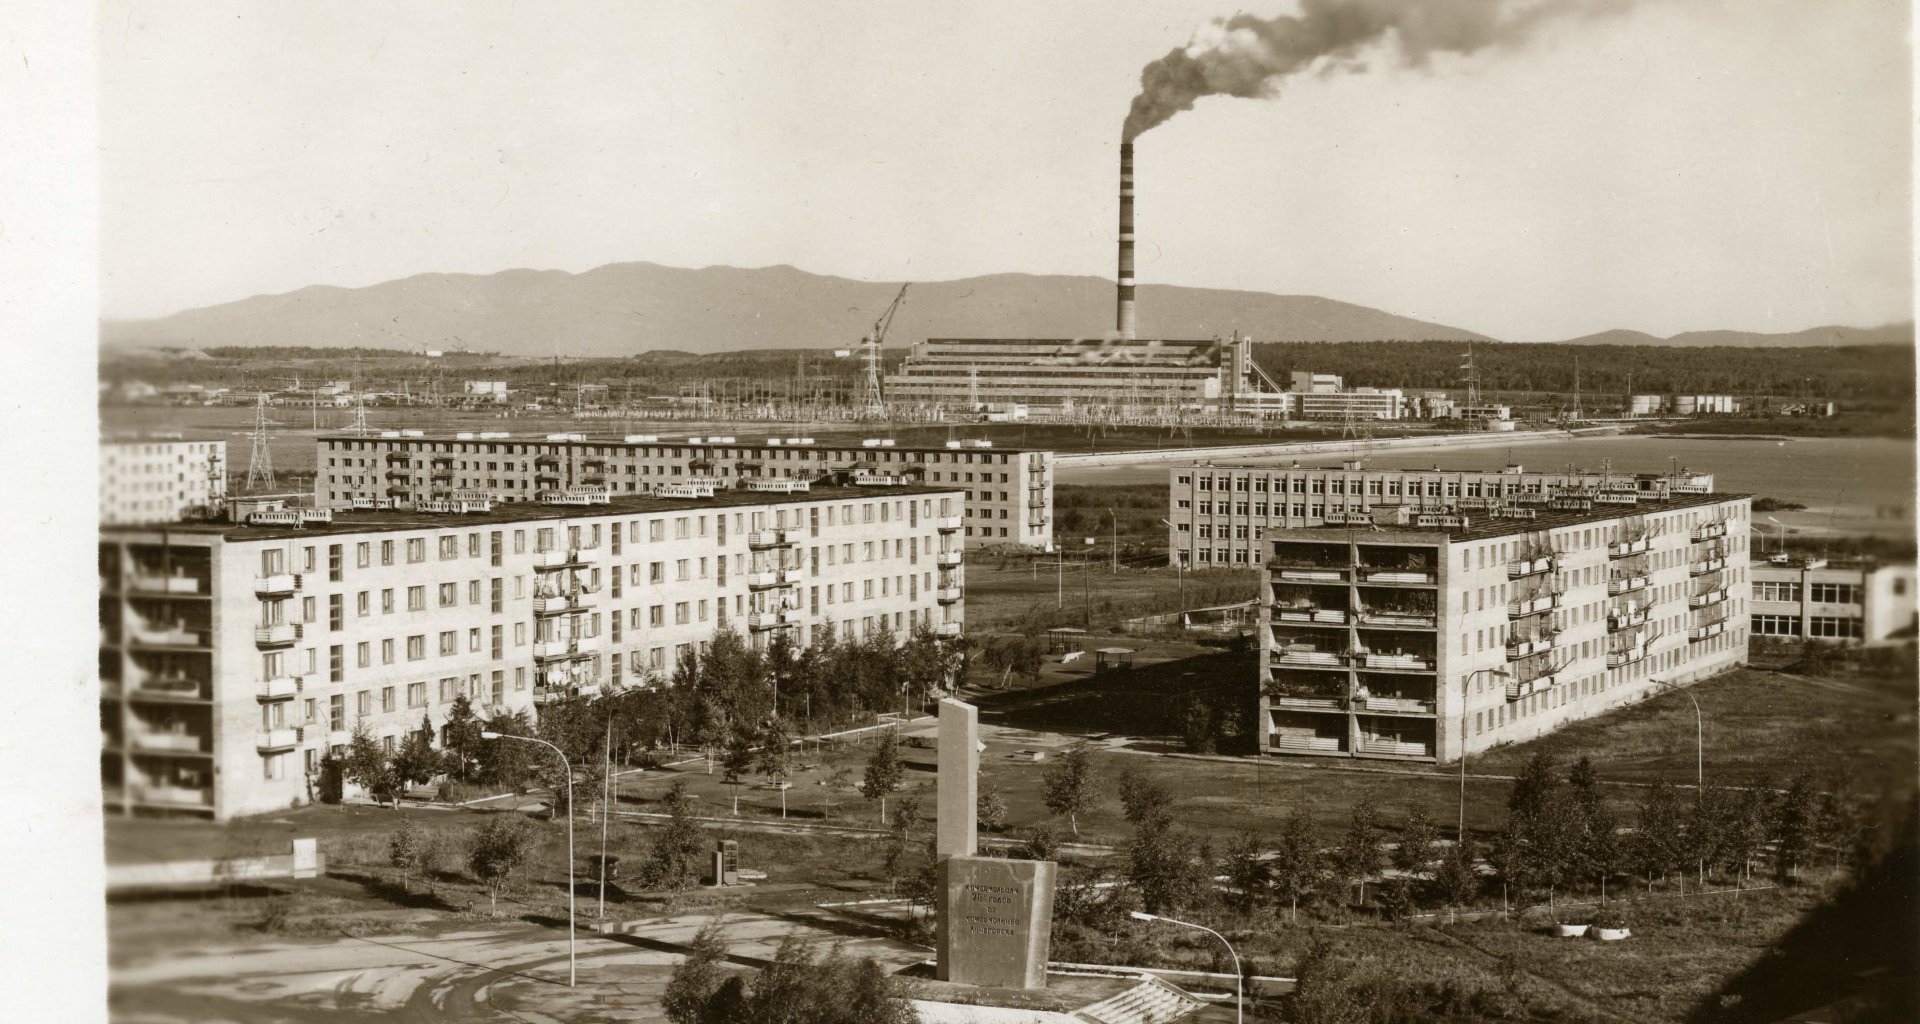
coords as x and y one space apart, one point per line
161 894
1857 959
1153 701
389 891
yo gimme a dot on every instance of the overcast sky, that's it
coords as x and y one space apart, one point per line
1688 164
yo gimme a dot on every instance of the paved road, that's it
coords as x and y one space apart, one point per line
513 973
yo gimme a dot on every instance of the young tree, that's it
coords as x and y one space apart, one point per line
416 762
496 851
1160 865
1358 858
1296 864
1141 798
990 809
839 782
1415 850
1248 872
1796 822
366 765
672 860
1070 785
1043 842
1326 990
906 832
735 765
507 763
405 850
1455 879
1658 845
775 758
884 772
462 738
690 991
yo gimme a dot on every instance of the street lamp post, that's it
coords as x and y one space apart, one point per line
1699 739
1179 569
1466 688
572 965
1239 998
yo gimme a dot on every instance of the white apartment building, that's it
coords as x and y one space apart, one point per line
1840 601
233 657
160 479
1220 516
1007 493
1417 635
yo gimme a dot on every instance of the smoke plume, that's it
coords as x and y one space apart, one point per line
1248 57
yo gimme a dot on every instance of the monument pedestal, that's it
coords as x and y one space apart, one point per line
995 921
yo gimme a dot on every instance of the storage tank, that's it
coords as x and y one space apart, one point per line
1685 405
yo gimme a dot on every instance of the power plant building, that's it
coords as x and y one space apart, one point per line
967 373
1222 516
234 657
1420 635
1007 493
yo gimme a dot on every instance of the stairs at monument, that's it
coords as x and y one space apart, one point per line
1151 1002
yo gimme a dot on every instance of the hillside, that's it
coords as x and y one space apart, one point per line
623 308
1830 336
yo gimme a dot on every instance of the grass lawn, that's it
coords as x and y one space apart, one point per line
1009 596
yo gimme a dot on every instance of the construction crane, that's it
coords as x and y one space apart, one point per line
874 402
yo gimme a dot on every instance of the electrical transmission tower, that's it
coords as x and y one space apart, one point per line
260 457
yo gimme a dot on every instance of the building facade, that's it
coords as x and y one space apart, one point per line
1007 493
160 480
1420 635
965 373
1219 516
1844 601
234 657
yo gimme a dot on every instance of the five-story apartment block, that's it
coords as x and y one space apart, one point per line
233 657
1007 493
1420 635
160 479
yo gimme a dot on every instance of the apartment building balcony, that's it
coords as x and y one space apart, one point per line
1532 605
792 576
1394 746
441 459
279 688
546 459
178 797
441 473
1394 705
1618 621
947 595
167 742
1298 571
761 540
1527 647
1308 652
1708 599
947 559
1398 662
167 634
947 630
547 476
1295 742
397 491
559 650
558 604
947 524
1706 565
269 741
1518 688
1706 632
1534 566
167 584
1628 584
1397 577
278 635
1708 531
280 584
763 579
1311 615
560 558
168 689
771 618
1396 618
399 459
1629 548
1627 656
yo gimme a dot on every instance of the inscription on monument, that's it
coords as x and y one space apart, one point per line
996 921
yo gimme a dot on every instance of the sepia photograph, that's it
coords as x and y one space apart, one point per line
1326 512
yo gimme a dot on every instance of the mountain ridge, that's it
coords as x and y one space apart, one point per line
623 308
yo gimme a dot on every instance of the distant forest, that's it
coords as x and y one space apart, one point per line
1880 375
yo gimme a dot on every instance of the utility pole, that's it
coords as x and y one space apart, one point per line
1116 541
1059 580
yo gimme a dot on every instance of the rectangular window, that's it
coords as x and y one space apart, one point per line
417 599
449 642
416 695
449 595
337 712
363 654
417 647
336 663
386 698
416 549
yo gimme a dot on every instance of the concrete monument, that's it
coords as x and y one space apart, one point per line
995 916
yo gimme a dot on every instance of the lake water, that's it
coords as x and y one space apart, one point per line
1849 485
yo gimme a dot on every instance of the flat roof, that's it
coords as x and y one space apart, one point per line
1481 526
1338 466
620 440
349 520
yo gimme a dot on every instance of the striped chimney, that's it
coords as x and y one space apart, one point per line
1123 313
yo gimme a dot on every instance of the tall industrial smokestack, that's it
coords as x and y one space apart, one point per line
1123 313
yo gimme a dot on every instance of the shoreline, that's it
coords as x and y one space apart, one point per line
1161 456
